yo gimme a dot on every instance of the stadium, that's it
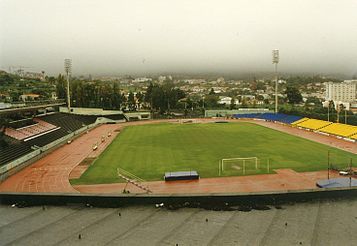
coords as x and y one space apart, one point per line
89 176
177 123
99 151
97 177
253 167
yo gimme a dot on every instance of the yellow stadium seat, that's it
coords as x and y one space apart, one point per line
339 129
313 124
299 121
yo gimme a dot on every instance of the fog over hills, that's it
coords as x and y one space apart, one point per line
191 37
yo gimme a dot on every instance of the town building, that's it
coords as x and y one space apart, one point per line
341 92
227 100
29 97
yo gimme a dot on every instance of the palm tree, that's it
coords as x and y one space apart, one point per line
339 109
329 106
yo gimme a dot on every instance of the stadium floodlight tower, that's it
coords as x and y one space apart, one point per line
68 70
275 62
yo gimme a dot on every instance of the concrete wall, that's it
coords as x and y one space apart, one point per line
224 112
103 120
180 200
138 115
90 111
16 163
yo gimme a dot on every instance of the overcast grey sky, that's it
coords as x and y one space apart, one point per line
140 36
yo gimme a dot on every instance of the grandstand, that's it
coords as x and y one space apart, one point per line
290 119
339 129
283 118
69 122
14 150
336 129
38 127
299 121
48 138
48 123
20 122
272 117
24 136
313 124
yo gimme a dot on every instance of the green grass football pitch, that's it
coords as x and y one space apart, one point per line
148 151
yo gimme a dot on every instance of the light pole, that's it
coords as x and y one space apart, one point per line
328 111
328 164
68 70
275 62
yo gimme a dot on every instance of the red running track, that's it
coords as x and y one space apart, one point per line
51 173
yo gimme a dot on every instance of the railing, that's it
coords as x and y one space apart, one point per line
133 179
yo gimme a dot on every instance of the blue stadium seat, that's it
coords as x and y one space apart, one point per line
284 118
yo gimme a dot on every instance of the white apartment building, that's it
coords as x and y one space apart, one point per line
227 100
341 92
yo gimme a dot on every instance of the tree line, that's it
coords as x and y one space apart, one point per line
108 95
97 94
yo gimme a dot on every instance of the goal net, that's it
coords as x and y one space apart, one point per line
243 166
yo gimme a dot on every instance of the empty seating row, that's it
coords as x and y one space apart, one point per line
289 119
12 152
69 122
284 118
47 138
272 116
29 131
65 123
294 123
70 125
339 129
15 134
86 119
22 123
16 148
314 124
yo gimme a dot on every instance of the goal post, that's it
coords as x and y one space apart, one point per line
242 163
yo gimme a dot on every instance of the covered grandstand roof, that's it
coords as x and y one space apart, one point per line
308 223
